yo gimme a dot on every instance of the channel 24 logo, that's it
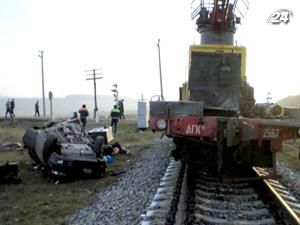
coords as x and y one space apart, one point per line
281 16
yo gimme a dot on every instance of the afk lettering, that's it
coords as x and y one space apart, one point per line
194 129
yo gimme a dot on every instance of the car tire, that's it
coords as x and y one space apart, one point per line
49 147
29 140
98 146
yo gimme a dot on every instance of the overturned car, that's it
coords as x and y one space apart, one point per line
59 149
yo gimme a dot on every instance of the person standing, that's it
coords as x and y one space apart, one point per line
36 109
115 116
7 106
121 107
11 108
84 113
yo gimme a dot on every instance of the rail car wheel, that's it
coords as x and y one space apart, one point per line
181 151
176 153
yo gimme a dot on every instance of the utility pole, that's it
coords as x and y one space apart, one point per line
160 75
50 98
94 78
41 55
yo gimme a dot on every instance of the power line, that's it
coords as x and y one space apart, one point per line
94 78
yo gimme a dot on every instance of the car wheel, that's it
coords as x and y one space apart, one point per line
98 146
50 146
29 140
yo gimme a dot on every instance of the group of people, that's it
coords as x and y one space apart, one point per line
116 113
10 106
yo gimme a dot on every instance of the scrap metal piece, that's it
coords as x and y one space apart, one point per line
9 173
10 146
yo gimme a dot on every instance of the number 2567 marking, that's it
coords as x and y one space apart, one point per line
280 16
271 133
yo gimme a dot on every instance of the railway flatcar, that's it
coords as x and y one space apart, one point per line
214 123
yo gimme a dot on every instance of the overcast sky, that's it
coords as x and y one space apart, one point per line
121 36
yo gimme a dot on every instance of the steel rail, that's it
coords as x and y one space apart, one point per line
286 200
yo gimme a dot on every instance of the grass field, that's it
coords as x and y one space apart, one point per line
38 200
290 155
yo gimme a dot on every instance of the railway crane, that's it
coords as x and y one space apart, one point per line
214 123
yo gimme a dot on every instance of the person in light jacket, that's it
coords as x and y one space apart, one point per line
115 116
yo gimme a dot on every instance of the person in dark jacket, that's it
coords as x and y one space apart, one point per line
121 107
12 107
7 106
84 113
115 115
36 109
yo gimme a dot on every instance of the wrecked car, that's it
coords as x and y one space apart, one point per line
59 149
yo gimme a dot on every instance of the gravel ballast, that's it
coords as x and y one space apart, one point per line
289 178
125 200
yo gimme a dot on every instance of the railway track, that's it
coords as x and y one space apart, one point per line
187 196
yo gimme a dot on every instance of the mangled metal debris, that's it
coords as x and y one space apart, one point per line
105 131
10 146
